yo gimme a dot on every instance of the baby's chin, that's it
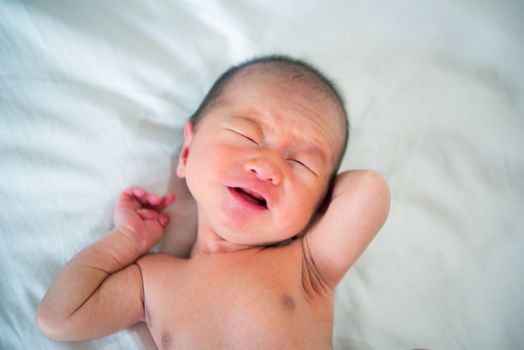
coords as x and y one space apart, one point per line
255 238
255 232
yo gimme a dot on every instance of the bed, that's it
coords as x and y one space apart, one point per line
94 95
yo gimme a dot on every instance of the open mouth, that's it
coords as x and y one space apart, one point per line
251 197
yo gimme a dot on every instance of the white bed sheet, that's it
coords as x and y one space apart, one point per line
93 96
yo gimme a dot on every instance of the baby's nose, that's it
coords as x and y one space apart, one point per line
264 169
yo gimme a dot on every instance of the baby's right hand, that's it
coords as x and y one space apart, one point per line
143 213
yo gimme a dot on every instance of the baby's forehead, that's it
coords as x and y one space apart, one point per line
314 119
306 98
284 79
269 81
284 84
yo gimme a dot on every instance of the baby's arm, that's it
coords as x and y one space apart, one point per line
358 208
100 290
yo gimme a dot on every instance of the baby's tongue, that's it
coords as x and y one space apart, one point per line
248 197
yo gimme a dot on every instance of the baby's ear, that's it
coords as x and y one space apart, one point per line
184 152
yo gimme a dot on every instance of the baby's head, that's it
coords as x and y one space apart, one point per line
263 147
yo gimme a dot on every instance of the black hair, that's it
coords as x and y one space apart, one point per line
298 67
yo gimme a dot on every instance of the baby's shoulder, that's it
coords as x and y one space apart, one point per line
154 262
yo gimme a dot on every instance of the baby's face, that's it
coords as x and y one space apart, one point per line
261 159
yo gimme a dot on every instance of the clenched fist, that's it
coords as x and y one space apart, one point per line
143 212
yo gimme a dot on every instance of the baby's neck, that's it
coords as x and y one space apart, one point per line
209 243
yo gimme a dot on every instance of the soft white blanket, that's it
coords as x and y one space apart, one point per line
93 96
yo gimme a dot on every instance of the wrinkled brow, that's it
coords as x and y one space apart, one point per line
317 149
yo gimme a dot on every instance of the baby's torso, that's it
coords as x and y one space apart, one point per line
255 299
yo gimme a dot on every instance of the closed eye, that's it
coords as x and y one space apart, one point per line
304 165
244 136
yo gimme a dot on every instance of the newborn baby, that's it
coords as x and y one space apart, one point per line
277 227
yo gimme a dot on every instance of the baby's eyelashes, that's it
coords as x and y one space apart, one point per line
303 165
244 136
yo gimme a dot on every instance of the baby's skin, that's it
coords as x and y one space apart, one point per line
258 165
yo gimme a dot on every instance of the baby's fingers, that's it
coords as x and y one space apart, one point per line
164 219
147 214
150 214
166 200
130 198
159 203
153 200
141 198
137 192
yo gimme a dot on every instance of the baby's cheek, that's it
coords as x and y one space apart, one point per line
304 207
204 157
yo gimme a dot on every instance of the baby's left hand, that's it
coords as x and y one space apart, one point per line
143 213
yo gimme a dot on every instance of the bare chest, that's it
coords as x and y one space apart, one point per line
237 301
